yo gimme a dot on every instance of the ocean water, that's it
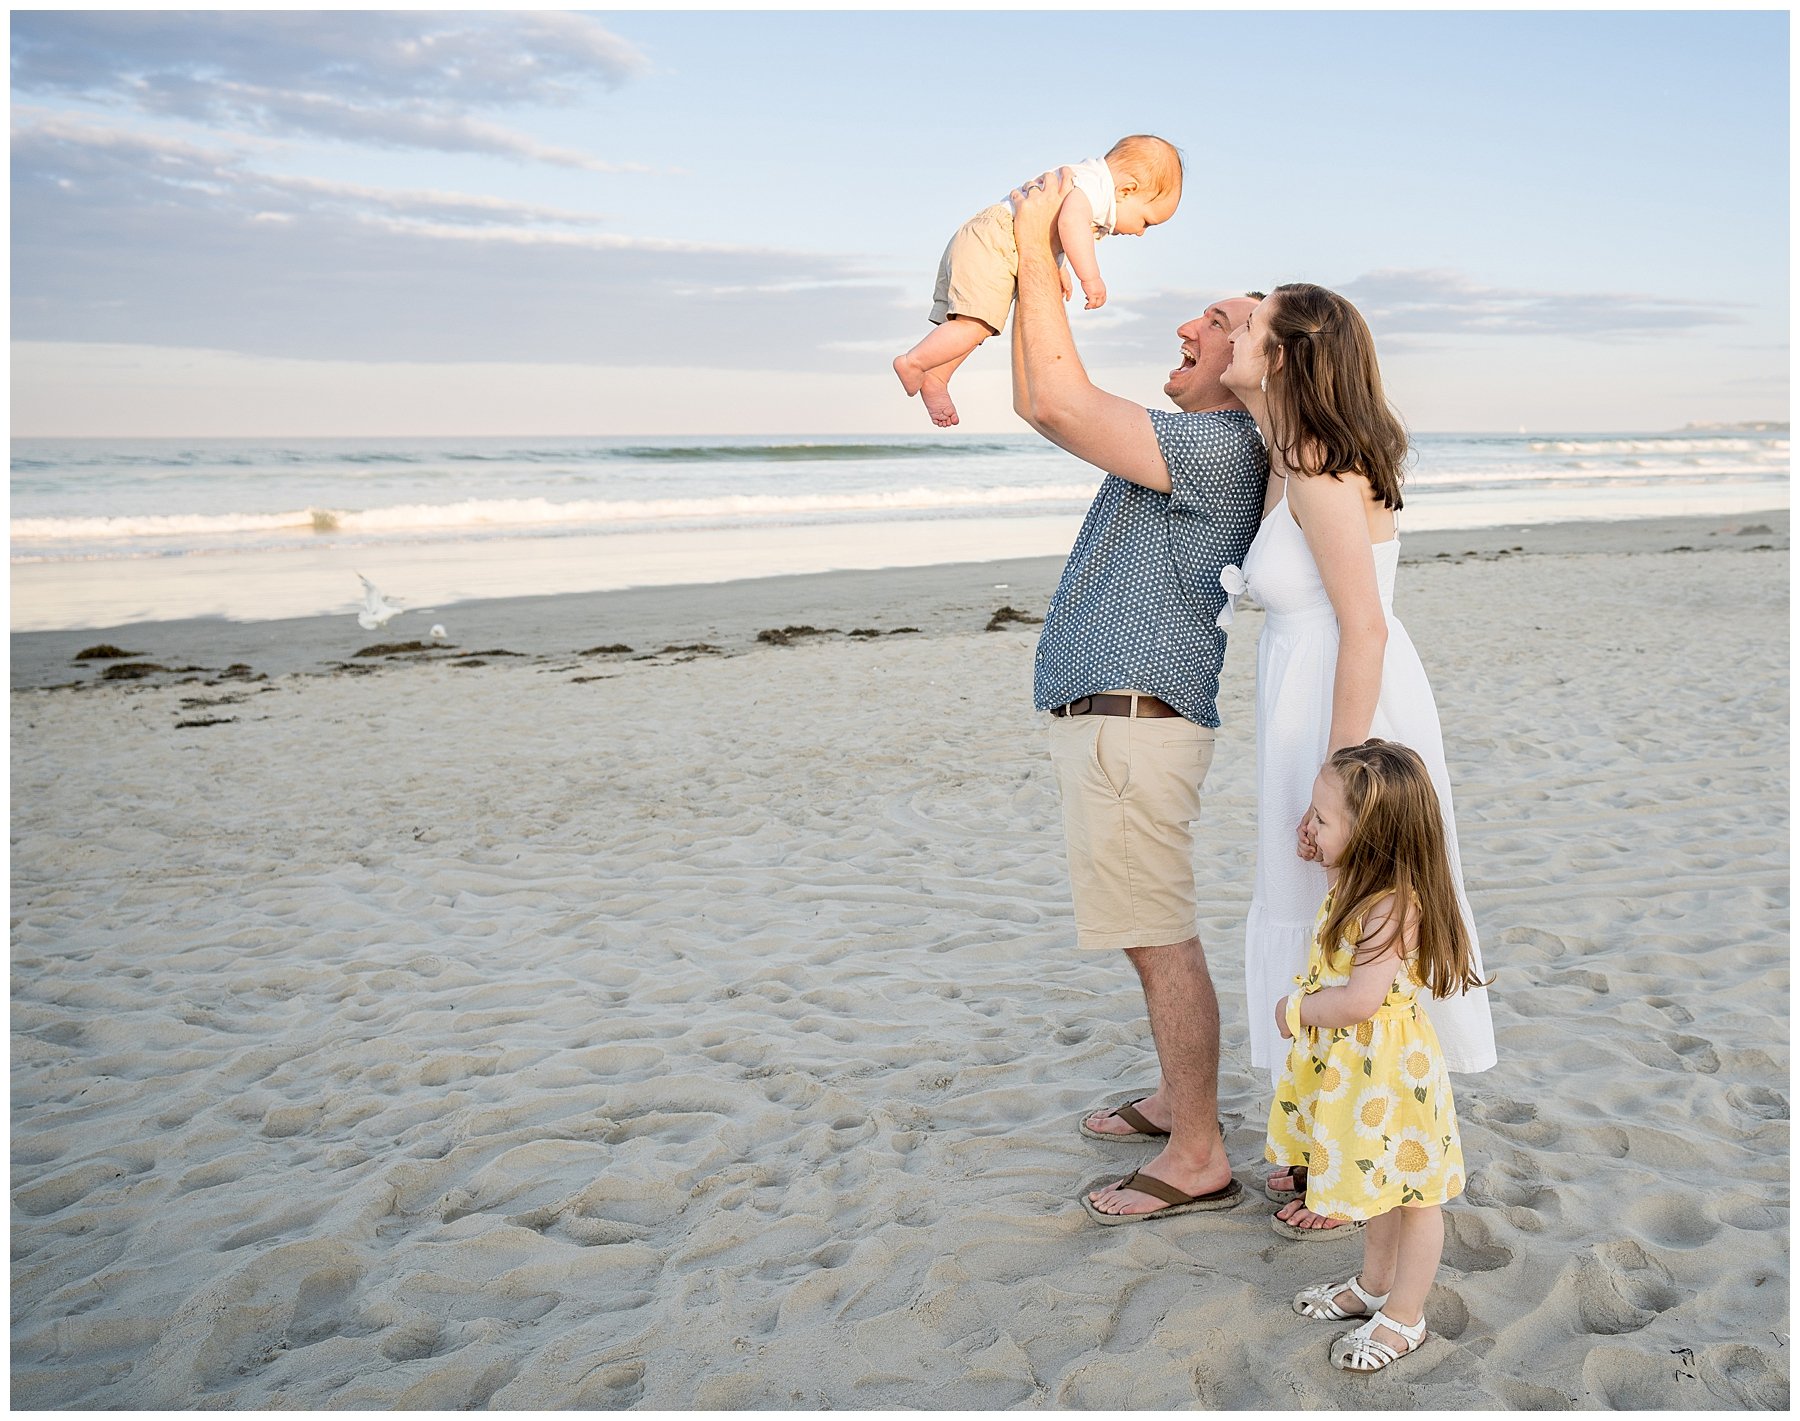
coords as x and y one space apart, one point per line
138 511
170 498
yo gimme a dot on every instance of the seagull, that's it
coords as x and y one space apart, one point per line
375 612
438 633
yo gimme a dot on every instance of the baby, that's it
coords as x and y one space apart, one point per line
1134 188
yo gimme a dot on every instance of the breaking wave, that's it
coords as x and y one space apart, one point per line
497 513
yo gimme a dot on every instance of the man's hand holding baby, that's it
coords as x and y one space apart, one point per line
1035 207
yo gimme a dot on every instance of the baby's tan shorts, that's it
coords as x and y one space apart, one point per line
1130 793
980 270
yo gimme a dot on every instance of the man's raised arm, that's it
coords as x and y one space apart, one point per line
1051 390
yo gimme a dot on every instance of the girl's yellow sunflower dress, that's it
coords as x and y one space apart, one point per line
1366 1108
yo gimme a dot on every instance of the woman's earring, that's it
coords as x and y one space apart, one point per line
1265 384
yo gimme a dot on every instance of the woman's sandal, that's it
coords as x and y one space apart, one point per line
1320 1300
1361 1351
1298 1174
1343 1228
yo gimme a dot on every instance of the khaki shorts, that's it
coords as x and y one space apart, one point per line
980 270
1130 793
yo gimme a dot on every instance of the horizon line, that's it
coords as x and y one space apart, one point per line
1714 427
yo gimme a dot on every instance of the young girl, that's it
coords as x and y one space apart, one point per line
1364 1101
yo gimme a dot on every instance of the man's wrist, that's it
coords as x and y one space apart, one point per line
1035 255
1039 276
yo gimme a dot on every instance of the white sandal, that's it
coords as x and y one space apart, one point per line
1320 1300
1362 1351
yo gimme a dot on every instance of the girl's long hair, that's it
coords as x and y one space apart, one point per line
1327 412
1397 847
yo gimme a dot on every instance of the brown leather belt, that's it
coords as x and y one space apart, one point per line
1116 705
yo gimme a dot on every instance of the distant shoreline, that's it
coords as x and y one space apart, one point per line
1745 426
301 582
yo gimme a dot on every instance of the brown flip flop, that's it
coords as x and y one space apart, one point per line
1132 1116
1281 1196
1344 1228
1174 1201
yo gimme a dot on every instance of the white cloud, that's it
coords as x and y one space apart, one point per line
1408 309
125 237
94 391
407 79
52 144
413 124
466 207
1398 302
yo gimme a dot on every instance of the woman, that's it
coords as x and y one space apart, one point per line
1334 666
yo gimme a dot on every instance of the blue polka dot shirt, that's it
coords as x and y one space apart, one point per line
1136 606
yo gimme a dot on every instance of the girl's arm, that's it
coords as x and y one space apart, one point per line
1336 528
1377 964
1075 230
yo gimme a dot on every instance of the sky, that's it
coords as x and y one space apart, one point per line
242 223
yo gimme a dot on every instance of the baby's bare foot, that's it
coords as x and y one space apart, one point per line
911 376
938 404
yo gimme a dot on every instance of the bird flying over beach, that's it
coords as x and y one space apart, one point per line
375 612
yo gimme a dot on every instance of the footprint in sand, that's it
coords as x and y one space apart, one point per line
1616 1288
65 1189
1674 1052
1519 1189
1609 1141
1532 945
1595 982
1743 1376
1448 1312
610 1388
222 1334
1729 1376
1764 1102
1515 1120
1520 1395
1670 1008
1468 1245
1673 1218
1752 1211
1626 1379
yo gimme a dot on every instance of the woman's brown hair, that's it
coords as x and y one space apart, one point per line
1397 847
1327 412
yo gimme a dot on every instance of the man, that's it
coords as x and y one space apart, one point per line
1128 667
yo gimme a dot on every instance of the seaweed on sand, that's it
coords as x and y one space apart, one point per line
1003 615
105 651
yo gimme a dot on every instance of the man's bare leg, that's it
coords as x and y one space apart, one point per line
1184 1019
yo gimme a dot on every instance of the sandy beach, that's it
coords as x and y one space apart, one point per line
667 999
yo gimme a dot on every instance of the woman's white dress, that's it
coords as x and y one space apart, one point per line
1296 663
